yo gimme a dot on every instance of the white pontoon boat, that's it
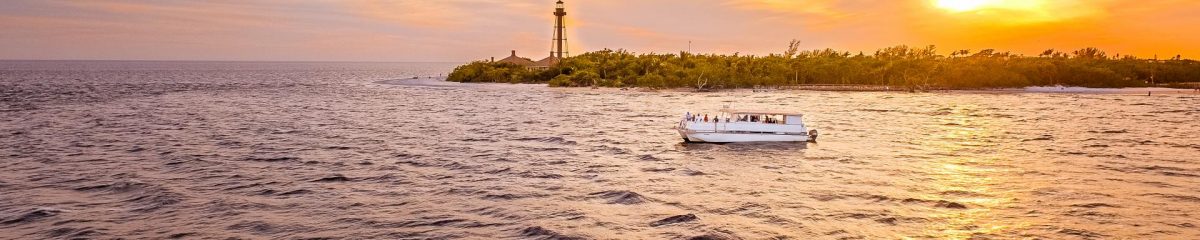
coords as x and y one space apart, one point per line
746 126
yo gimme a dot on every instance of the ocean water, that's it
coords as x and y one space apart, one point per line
96 149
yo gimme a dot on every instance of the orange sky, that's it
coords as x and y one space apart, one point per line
461 30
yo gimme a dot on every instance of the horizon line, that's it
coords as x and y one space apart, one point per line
260 61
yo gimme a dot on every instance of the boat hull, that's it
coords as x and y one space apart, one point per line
714 137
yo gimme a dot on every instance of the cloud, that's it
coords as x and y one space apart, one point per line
438 14
814 8
462 30
184 12
431 14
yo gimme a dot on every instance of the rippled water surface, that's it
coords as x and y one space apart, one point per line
291 150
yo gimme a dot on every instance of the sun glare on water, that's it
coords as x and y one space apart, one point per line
961 5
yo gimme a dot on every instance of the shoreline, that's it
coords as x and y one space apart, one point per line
441 82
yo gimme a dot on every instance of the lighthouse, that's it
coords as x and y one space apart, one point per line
560 38
558 45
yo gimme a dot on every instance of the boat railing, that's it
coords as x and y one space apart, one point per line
745 132
740 127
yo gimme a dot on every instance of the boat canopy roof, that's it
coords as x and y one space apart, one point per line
766 112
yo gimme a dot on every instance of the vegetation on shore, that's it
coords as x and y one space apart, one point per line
900 66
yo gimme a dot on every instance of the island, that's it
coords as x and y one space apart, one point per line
900 67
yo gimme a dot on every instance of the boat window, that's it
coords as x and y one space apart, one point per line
793 120
770 119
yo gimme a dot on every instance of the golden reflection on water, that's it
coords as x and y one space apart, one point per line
300 155
965 180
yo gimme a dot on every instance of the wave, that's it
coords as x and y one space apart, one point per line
620 197
537 232
674 220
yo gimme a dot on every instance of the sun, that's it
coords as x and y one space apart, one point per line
961 5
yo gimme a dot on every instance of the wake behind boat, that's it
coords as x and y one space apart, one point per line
731 125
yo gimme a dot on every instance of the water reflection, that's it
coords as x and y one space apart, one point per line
965 173
251 158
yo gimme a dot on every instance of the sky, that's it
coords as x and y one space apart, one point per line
465 30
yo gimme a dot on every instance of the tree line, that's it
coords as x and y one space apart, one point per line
899 66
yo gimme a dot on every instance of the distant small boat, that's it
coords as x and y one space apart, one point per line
731 125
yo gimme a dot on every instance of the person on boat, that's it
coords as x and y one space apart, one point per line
687 116
705 117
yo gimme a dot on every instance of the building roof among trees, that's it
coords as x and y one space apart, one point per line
547 62
514 59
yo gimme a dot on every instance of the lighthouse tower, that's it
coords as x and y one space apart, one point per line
560 39
558 47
